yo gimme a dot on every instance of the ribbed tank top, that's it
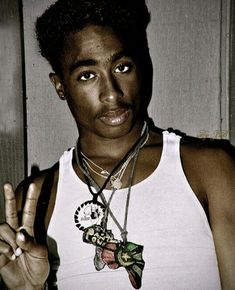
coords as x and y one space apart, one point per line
164 216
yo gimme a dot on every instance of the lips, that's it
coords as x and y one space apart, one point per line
115 117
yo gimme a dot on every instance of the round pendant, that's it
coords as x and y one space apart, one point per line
88 214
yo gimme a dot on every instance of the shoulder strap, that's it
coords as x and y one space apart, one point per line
171 144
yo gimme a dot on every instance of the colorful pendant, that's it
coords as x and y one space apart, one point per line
115 253
98 236
88 214
130 257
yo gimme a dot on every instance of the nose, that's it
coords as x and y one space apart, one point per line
110 90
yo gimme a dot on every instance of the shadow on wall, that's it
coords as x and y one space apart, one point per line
11 166
11 159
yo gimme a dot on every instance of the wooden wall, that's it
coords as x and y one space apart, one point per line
189 43
232 73
51 129
11 96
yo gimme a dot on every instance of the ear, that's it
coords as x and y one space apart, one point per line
57 83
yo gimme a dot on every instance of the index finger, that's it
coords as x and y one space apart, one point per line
29 212
10 206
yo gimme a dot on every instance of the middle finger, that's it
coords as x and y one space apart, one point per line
29 211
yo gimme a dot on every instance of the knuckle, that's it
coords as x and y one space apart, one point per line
7 251
4 226
11 215
29 212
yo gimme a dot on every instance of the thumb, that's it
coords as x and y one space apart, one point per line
29 245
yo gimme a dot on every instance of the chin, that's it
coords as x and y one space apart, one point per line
115 132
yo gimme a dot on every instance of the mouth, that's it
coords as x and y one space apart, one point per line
115 117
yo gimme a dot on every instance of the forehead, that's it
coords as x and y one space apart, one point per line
91 42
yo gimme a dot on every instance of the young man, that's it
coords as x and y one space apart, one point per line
130 206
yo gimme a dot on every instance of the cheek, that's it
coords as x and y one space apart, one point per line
81 111
133 88
135 82
82 103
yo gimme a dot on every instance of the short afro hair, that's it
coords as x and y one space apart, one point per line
127 18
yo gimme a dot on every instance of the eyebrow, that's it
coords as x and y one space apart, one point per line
81 63
119 55
91 62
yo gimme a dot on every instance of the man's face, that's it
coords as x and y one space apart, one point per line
101 82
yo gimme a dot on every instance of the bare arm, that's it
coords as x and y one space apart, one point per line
220 188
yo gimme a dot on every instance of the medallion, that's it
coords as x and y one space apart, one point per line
88 214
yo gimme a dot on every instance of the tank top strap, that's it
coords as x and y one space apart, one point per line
171 145
66 158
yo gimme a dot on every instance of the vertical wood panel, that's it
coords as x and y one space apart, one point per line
186 38
11 101
232 74
51 129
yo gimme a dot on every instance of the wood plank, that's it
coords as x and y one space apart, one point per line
186 37
232 74
51 129
11 97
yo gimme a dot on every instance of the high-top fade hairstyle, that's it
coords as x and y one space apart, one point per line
127 18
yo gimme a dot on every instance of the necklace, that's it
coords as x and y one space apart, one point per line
92 211
92 217
115 179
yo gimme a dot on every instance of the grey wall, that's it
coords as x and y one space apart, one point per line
11 96
232 74
189 46
51 129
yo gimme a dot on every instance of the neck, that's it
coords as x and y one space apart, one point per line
95 146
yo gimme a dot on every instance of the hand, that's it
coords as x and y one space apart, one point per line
23 262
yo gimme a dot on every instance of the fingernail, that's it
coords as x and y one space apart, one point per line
5 186
31 186
13 257
18 252
21 237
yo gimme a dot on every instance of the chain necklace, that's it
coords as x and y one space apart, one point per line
92 217
115 179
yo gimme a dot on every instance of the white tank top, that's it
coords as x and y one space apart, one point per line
164 216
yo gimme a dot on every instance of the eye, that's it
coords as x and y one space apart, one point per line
123 68
86 76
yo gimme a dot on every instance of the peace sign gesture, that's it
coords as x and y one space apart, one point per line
23 262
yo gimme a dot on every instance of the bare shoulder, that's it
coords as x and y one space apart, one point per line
212 158
213 164
210 164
